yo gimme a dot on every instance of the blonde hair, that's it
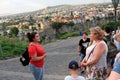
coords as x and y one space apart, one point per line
117 35
100 33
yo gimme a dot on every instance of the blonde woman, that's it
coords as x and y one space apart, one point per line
95 60
117 41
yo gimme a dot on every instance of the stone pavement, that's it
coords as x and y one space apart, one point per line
58 56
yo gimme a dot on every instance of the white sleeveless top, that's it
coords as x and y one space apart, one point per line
102 62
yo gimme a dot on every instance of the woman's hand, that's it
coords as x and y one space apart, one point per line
83 64
44 55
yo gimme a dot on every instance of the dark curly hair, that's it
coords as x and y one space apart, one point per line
31 36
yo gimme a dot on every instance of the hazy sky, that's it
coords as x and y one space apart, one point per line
18 6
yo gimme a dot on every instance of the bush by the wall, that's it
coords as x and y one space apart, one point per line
113 25
11 47
66 35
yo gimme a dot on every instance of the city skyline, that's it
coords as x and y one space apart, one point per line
8 7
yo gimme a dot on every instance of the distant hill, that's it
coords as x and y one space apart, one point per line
59 8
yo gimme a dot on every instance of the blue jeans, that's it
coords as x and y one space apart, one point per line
116 67
82 56
37 72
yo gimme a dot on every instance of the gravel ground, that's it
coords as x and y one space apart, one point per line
58 56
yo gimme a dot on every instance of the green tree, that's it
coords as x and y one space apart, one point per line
115 5
71 23
57 26
3 25
31 22
47 17
5 33
111 25
88 23
14 31
34 28
25 27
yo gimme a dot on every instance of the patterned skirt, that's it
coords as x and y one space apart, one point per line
95 73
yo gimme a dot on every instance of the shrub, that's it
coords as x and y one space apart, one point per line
112 25
11 47
66 35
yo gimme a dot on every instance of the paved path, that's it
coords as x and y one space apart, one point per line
58 56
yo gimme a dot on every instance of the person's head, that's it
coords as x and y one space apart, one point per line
33 37
73 66
84 34
96 33
107 30
117 37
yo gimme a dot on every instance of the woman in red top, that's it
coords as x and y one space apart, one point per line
37 55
